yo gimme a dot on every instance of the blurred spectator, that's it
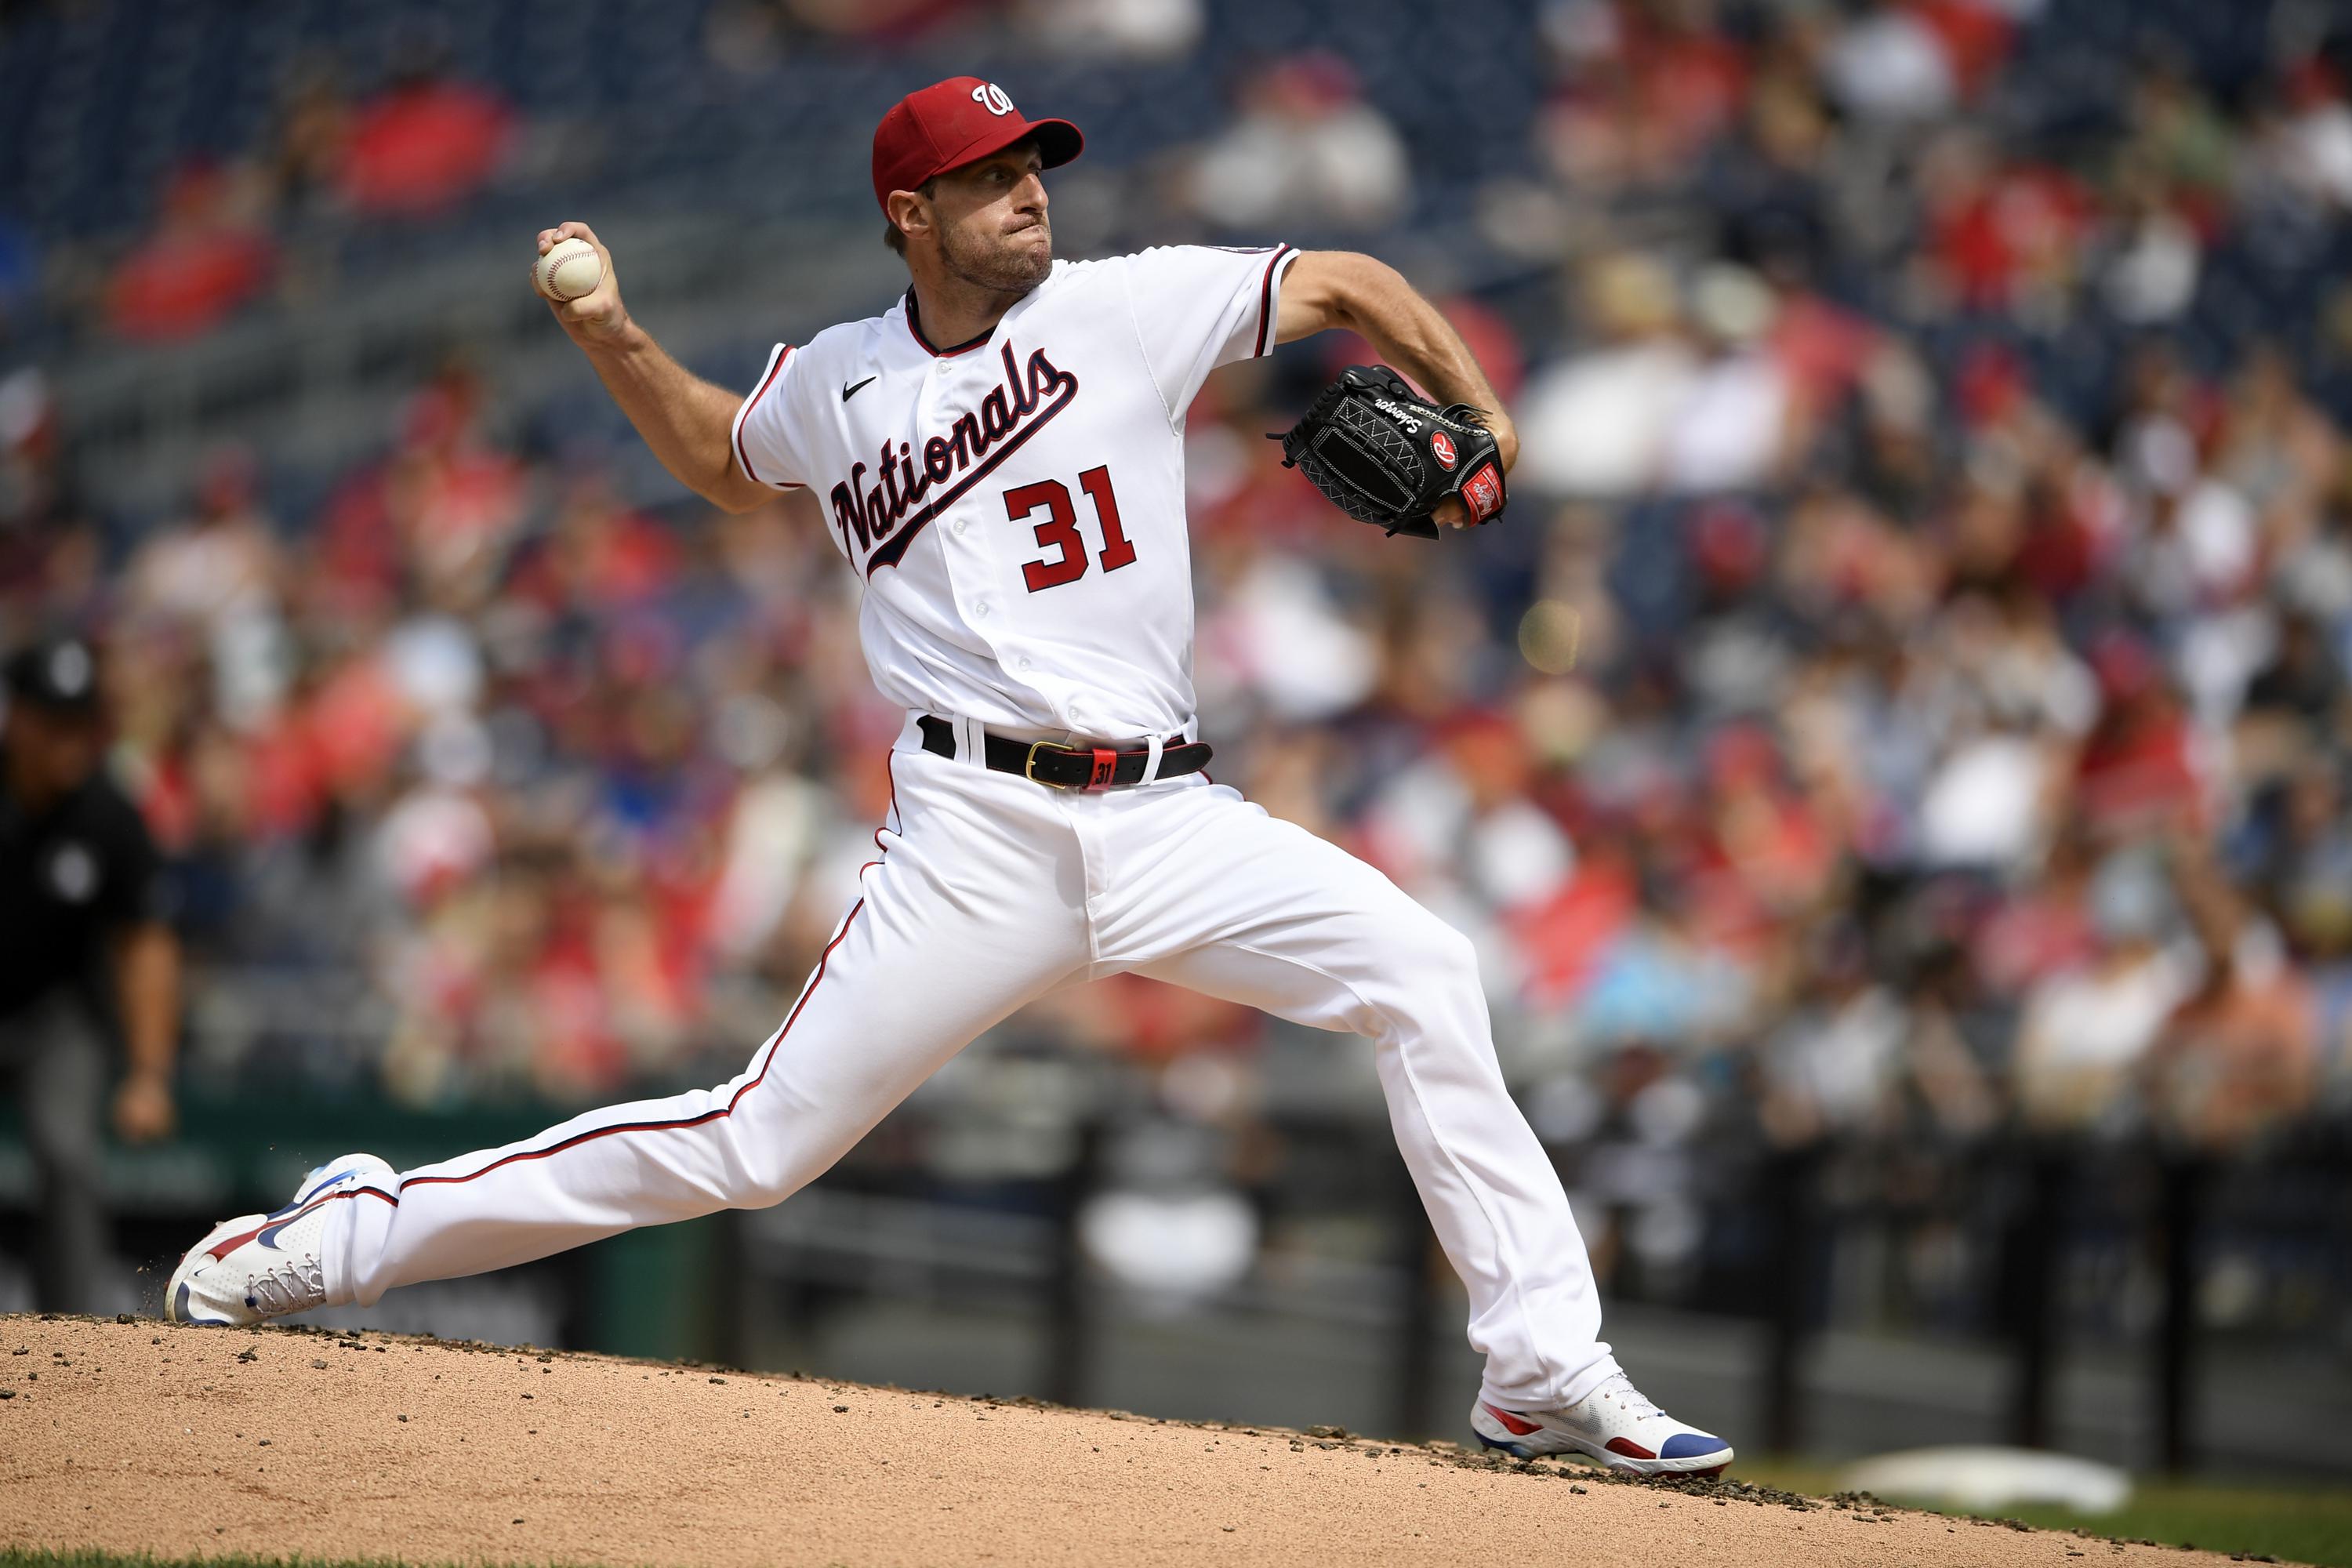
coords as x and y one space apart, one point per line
216 575
1886 62
1734 428
2000 235
2238 1058
2154 254
217 565
209 255
2318 142
2136 778
1305 152
49 551
883 20
422 145
1116 29
2085 1032
1833 1062
1599 423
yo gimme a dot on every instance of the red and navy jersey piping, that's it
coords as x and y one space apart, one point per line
742 453
1265 300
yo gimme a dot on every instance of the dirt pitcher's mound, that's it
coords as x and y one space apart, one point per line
140 1437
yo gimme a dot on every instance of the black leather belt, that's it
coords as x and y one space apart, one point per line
1084 768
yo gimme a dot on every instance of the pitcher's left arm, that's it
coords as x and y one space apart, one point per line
1328 288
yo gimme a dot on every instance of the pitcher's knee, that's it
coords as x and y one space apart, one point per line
764 1183
1452 958
1433 965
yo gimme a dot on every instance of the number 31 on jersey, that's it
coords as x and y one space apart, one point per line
1059 531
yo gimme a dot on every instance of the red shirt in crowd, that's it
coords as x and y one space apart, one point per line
423 146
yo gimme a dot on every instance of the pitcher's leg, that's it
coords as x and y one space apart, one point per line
921 964
1312 934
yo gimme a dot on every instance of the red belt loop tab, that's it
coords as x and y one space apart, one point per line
1106 769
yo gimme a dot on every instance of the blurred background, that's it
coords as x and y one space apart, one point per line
1893 758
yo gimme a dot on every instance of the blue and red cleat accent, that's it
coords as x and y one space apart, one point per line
1614 1424
261 1266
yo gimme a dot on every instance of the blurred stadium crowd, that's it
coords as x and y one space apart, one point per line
1907 697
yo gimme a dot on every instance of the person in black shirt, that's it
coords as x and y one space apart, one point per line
86 955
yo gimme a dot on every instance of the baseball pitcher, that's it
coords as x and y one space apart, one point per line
999 457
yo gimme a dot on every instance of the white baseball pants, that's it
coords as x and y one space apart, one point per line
991 891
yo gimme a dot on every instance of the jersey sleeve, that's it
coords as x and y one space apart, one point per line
768 445
1197 307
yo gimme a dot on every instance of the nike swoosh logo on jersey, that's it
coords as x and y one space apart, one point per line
879 516
848 391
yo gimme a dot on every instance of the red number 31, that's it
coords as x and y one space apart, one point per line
1059 531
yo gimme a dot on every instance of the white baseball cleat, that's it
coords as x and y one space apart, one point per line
263 1265
1614 1424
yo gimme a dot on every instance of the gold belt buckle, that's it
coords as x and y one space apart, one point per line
1029 766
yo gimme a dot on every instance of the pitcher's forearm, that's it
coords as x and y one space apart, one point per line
687 421
1337 288
1411 335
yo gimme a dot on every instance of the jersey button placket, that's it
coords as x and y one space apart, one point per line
965 557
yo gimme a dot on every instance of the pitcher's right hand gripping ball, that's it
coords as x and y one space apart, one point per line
1386 456
568 268
591 318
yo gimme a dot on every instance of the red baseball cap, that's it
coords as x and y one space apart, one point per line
950 123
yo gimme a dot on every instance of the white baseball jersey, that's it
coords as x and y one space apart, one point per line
1015 504
1016 509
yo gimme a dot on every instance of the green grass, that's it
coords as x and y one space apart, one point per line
2294 1525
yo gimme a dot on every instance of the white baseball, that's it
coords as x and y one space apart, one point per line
569 269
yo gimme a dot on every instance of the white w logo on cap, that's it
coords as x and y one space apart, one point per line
990 97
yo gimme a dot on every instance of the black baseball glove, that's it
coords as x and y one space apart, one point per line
1386 456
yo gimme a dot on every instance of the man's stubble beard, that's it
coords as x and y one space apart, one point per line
1002 267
